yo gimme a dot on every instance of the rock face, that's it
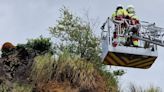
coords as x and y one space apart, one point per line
15 64
15 67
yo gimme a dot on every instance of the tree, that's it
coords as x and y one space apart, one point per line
76 36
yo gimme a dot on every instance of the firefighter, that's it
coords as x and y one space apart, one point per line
134 20
131 13
119 15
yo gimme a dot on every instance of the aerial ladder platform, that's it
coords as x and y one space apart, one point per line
143 56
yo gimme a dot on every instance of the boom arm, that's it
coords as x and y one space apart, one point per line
151 33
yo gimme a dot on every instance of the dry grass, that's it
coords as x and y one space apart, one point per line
134 88
79 73
42 68
153 89
53 86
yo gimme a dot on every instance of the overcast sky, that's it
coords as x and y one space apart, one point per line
23 19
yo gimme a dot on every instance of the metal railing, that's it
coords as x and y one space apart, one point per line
148 32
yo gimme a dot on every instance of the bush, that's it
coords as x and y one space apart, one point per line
40 45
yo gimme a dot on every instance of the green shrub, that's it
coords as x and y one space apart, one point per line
41 45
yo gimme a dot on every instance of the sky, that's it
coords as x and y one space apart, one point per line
24 19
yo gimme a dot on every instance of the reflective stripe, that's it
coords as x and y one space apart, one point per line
133 16
129 60
120 12
135 43
122 39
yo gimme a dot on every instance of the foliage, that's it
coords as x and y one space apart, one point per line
21 46
40 45
4 87
111 80
76 36
42 68
18 87
76 71
134 88
72 69
153 89
119 72
78 46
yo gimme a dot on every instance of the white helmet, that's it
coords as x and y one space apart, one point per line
130 9
120 5
130 6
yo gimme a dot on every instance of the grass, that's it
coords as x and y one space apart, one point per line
4 87
153 89
111 81
78 72
134 88
18 87
42 68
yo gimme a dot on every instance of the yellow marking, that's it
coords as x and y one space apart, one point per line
134 60
117 59
105 62
146 64
111 61
140 62
146 67
125 59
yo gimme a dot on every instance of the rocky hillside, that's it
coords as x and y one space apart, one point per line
24 70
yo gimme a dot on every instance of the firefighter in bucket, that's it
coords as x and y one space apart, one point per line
134 28
119 15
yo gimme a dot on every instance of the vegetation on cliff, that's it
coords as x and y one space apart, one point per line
71 64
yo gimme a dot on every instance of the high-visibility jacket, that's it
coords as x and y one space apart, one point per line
134 20
133 16
119 15
120 12
135 42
